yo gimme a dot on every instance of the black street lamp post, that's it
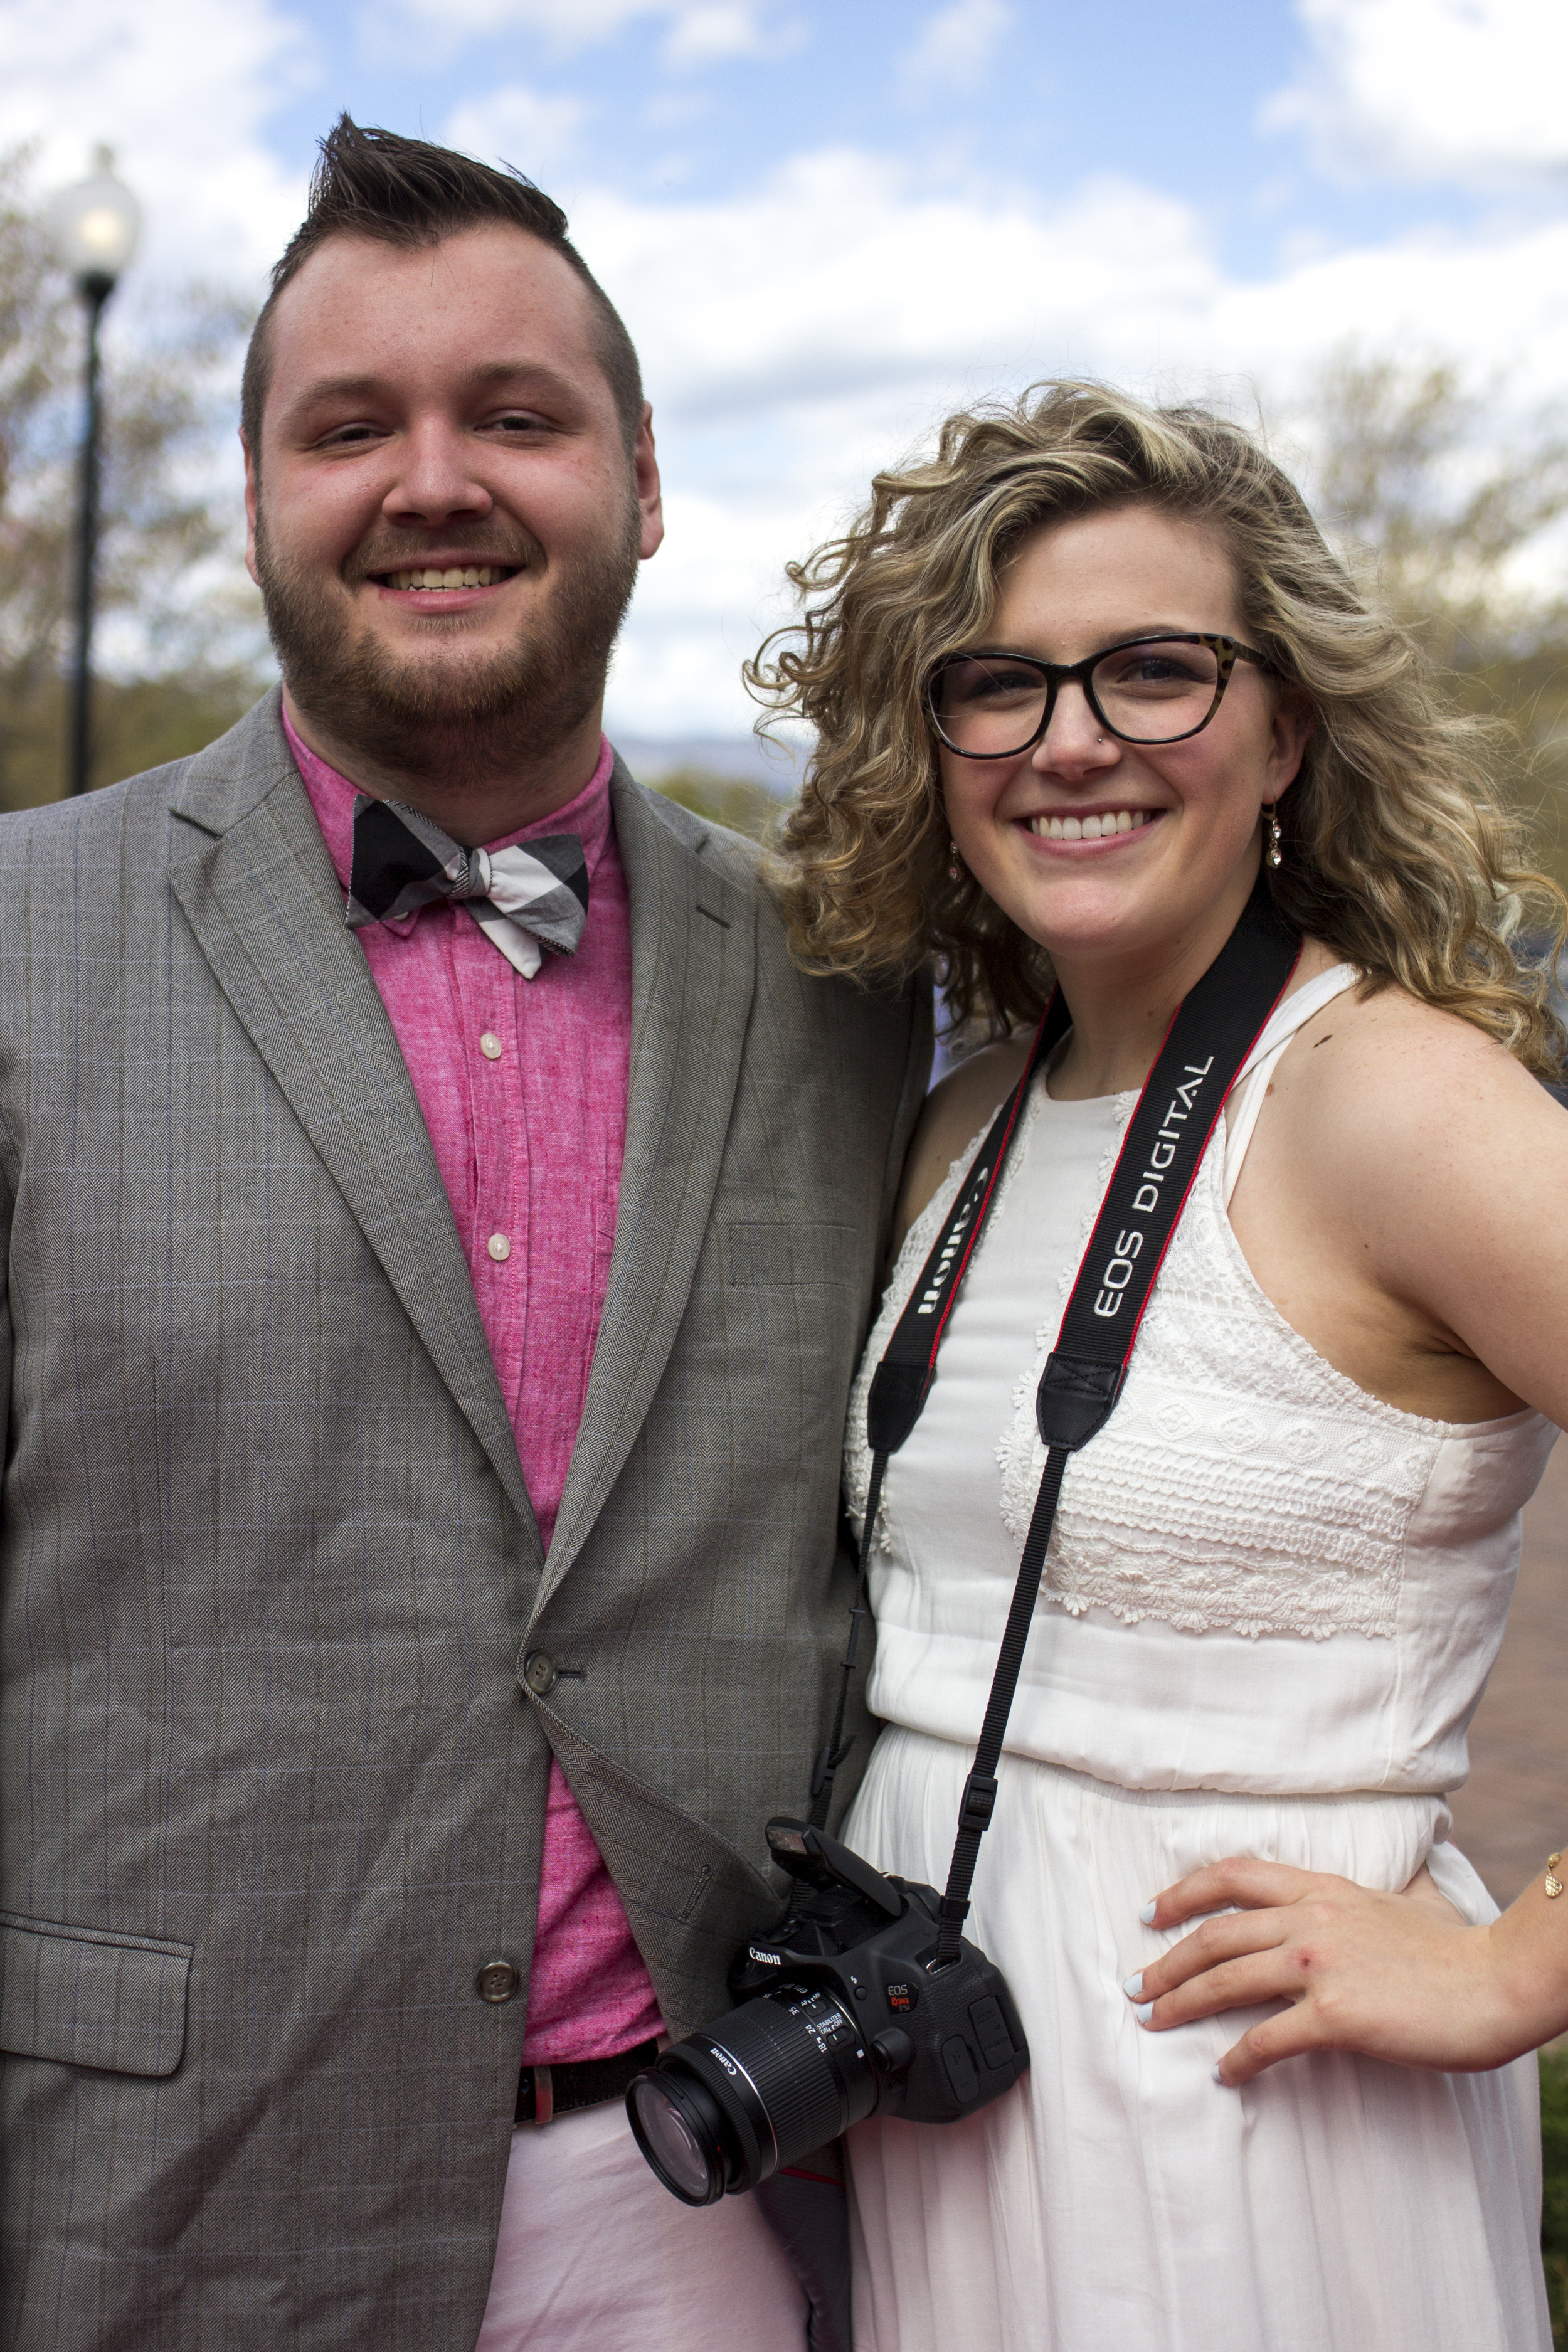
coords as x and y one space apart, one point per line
94 228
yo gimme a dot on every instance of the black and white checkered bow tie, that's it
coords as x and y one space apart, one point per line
523 899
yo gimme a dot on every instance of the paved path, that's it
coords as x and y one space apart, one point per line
1514 1809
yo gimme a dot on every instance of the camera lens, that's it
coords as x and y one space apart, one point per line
757 2089
680 2129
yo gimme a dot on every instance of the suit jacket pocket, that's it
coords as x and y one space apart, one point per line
90 1999
794 1257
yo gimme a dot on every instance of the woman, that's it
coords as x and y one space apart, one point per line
1280 1572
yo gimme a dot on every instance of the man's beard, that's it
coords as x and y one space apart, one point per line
441 723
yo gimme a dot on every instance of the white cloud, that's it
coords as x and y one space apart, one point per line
814 327
798 338
700 35
181 91
1426 89
536 133
838 279
954 48
698 31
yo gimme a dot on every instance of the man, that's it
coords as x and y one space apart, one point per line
435 1279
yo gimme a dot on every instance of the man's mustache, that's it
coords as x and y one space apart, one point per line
518 551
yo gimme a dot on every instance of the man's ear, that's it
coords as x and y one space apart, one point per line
252 492
651 496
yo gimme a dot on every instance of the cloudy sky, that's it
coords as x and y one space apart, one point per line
825 224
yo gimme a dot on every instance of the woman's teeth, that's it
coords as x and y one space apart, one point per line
469 575
1088 828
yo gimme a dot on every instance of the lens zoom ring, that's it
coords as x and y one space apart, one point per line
793 2077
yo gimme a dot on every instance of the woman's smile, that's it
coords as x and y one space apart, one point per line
1089 829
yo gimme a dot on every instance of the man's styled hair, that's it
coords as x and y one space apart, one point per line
1400 850
409 193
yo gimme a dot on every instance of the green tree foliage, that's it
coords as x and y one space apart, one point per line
1456 509
732 801
162 551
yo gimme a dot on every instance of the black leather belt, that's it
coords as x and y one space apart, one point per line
546 2091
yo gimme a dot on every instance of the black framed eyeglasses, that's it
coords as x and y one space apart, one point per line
995 706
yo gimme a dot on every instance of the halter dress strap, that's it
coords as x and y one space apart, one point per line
1246 1095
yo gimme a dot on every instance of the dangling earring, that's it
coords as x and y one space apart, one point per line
954 862
1273 855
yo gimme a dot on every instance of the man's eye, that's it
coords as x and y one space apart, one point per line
518 424
346 436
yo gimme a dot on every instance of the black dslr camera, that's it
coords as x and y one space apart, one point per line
843 2014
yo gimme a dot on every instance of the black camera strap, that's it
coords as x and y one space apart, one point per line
1210 1036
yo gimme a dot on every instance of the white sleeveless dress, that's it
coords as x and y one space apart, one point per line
1270 1605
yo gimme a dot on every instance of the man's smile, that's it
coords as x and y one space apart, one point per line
453 575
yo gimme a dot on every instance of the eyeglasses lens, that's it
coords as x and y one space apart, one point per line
989 706
1153 693
1149 693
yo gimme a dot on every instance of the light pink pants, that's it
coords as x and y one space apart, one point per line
595 2255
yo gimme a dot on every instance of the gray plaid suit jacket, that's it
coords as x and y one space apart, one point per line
273 1773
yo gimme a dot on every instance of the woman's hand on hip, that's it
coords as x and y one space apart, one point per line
1399 1977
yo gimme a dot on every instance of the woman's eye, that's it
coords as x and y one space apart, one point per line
987 683
1156 666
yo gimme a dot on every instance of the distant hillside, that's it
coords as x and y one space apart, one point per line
740 759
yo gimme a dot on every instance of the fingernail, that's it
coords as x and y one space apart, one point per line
1144 2012
1133 1985
1217 2075
1147 1913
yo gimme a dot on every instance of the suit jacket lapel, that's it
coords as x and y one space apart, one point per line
694 972
257 885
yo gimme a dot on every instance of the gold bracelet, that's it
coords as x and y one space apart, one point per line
1553 1884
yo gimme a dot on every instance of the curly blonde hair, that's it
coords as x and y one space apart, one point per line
1398 853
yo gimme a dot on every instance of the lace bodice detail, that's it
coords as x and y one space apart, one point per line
1243 1492
1242 1483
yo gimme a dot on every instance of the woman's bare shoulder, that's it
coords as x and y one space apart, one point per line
956 1112
1381 1054
1409 1128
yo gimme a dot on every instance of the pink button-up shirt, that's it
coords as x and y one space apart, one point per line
523 1087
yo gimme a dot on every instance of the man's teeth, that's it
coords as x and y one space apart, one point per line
1090 828
468 575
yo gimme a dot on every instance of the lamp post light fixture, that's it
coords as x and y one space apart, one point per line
93 228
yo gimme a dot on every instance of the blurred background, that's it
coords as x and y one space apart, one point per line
826 225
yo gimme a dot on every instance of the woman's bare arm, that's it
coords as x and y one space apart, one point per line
1405 1204
1408 1214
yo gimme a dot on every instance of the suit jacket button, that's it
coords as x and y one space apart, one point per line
539 1672
497 1982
